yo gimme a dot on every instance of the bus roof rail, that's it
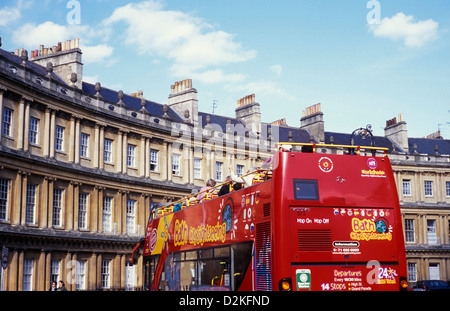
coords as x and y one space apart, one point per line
350 147
169 206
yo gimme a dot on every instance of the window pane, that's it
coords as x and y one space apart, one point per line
131 216
176 164
84 145
57 206
409 230
30 204
4 197
306 190
131 155
7 121
107 214
107 151
34 127
59 138
82 210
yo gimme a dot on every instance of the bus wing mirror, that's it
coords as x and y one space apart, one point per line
135 255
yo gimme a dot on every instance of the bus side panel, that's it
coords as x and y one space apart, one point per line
370 277
343 234
234 218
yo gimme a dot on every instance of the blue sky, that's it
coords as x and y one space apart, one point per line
290 53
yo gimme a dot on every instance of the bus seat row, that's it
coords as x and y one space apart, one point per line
209 195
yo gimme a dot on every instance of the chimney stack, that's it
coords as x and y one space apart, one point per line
396 131
183 97
312 121
65 57
248 111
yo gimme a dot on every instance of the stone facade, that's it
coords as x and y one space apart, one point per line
81 166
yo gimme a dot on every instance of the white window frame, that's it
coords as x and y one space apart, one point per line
34 131
55 270
176 170
107 214
410 234
406 185
4 198
59 138
131 216
84 145
131 156
432 232
219 171
154 160
107 150
81 275
7 122
28 269
83 208
57 210
130 277
30 212
106 274
198 168
428 188
239 170
412 272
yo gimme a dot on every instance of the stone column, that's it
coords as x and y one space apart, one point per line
77 141
119 153
2 91
20 124
125 153
46 142
26 127
72 140
142 164
52 133
96 157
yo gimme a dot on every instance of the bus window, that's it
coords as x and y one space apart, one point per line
215 272
206 269
306 189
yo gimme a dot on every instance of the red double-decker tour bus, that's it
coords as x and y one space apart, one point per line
312 222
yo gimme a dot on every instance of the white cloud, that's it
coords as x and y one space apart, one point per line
91 79
277 69
188 41
265 88
31 36
217 76
402 27
48 33
97 53
9 15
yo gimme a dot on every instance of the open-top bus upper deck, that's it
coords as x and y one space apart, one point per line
313 221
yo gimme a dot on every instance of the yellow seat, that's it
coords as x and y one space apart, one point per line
192 201
260 177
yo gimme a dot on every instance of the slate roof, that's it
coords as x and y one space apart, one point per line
427 146
219 120
37 69
132 102
344 139
298 135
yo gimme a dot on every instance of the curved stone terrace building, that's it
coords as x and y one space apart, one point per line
81 166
